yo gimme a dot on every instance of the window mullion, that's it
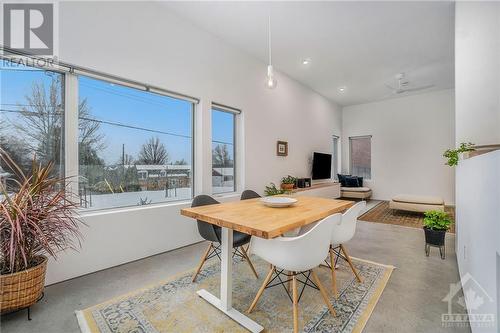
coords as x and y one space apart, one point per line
71 132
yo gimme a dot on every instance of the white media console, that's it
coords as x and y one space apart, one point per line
326 190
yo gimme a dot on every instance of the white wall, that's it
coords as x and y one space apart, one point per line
409 136
145 42
478 230
477 72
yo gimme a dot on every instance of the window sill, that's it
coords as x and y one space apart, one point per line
118 210
227 195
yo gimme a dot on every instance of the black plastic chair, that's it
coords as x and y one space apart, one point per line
212 233
249 194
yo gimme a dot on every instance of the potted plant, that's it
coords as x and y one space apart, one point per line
273 190
436 223
36 220
288 183
453 154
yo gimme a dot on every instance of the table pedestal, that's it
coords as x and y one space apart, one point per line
224 304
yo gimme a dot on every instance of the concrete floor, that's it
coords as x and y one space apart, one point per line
411 301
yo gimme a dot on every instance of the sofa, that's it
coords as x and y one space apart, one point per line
352 187
356 192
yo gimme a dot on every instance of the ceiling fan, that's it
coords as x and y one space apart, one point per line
403 85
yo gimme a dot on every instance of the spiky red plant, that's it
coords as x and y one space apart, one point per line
38 219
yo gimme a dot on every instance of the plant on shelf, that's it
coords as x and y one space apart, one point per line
436 223
453 154
36 220
273 190
288 183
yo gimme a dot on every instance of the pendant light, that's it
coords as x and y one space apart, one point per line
271 81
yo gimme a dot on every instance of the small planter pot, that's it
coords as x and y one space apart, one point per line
22 289
287 187
434 238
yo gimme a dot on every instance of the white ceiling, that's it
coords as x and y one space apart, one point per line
359 45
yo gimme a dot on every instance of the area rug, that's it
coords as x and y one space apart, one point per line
173 306
381 213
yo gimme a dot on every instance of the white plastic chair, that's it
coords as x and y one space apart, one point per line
341 233
294 257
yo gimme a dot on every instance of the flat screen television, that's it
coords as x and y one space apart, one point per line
322 166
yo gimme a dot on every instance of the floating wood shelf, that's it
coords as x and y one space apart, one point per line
481 149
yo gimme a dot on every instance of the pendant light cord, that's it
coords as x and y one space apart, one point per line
269 39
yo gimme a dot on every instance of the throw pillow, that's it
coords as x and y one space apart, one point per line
342 179
351 181
360 181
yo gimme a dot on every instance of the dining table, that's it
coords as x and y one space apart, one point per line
253 217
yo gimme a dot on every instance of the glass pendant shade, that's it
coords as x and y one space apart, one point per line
271 81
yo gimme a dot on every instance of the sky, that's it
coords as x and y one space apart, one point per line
131 117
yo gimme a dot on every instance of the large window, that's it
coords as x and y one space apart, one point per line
31 119
135 147
360 156
223 151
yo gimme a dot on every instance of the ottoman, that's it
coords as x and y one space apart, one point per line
416 203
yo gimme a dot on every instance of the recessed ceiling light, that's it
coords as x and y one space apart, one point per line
306 61
342 90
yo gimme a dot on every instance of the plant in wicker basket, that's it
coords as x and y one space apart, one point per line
36 220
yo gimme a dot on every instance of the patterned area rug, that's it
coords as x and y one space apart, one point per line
381 213
173 306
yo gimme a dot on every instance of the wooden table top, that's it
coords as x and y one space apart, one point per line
254 218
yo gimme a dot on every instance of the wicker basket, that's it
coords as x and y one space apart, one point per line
22 289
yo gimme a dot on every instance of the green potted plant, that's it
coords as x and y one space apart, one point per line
36 220
453 154
288 183
271 190
436 223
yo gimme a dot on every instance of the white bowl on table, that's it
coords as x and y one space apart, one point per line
278 202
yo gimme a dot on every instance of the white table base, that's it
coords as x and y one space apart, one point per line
224 304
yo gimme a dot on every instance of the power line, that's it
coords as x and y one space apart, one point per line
135 127
225 143
106 123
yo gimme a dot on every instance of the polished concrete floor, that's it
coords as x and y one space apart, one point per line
411 302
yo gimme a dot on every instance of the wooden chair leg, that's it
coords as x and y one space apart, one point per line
289 283
334 274
261 290
249 261
295 305
202 261
350 263
323 293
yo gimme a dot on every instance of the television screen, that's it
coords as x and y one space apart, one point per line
322 166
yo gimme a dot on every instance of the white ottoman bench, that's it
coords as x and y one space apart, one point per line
355 192
416 203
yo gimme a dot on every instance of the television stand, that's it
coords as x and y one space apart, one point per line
329 190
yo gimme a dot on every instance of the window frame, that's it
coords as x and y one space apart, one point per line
235 113
156 92
43 67
351 138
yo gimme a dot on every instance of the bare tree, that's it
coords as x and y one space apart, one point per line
221 157
180 162
89 128
153 152
128 159
41 120
42 116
